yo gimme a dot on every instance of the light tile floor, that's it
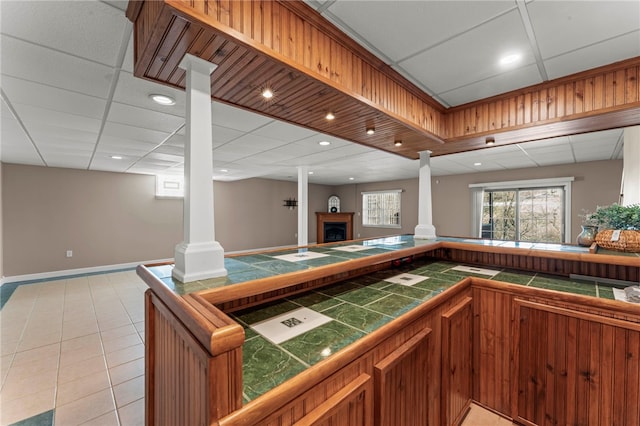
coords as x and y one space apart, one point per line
72 352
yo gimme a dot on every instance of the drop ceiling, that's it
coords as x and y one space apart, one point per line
69 97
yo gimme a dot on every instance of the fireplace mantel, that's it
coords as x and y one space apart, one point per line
323 218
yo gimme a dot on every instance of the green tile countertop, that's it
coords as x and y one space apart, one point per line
242 268
356 307
359 306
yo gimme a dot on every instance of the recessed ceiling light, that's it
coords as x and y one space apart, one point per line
510 59
267 93
224 170
324 143
477 164
398 143
310 173
162 99
329 116
117 157
351 178
371 131
489 140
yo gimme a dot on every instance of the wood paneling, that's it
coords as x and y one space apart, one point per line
563 106
555 263
351 405
457 355
492 350
575 369
179 372
314 68
401 384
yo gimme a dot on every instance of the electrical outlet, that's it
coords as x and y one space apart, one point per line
69 253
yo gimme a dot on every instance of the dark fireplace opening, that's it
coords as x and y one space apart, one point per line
335 231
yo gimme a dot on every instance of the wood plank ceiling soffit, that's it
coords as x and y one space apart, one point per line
314 68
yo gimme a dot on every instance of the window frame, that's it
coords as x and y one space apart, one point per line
397 192
163 193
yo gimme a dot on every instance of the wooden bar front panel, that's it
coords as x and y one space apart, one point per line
402 384
575 369
457 374
180 373
351 406
492 349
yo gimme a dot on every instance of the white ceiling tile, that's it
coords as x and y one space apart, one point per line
476 55
222 135
592 56
51 98
284 132
127 64
170 149
31 62
134 133
506 82
135 91
416 25
143 118
125 144
120 4
605 135
36 117
88 29
582 24
235 118
165 157
253 144
15 146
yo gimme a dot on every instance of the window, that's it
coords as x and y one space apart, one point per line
524 215
169 186
534 211
381 208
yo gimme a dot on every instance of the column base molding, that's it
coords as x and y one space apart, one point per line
198 261
425 232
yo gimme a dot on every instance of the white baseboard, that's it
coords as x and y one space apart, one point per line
79 271
107 268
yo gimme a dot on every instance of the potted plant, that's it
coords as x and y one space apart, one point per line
618 226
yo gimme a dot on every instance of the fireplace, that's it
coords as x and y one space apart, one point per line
334 227
335 231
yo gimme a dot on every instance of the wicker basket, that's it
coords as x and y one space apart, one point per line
628 241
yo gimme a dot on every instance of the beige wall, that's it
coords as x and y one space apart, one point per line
249 214
112 218
596 183
105 218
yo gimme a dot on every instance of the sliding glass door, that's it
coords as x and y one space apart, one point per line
524 214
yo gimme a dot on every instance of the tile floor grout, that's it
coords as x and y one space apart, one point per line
95 374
